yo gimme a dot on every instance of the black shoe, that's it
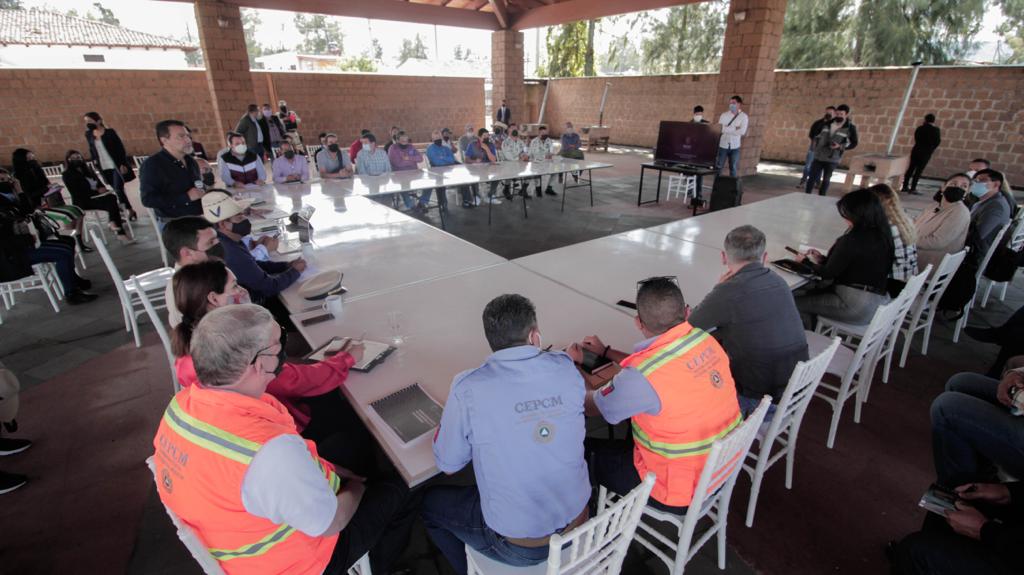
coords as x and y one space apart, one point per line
537 190
508 195
9 446
85 249
576 178
984 334
82 283
11 481
467 204
79 297
132 216
550 191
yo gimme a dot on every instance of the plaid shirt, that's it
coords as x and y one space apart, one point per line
372 164
905 264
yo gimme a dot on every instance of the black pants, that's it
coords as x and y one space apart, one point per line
116 181
339 434
611 466
381 525
917 166
937 550
1011 342
820 171
106 204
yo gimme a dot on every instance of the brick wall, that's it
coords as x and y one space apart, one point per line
45 107
978 109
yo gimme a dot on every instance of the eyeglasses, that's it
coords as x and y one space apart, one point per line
282 340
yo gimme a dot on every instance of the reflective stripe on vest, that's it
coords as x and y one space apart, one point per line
677 450
254 549
672 351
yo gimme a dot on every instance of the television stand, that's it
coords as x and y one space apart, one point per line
674 168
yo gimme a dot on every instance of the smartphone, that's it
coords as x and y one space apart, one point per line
625 303
316 319
593 362
792 251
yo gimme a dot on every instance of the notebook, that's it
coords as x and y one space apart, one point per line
409 412
939 500
374 352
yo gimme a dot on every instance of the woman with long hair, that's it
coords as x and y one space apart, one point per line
904 239
856 270
34 184
310 391
108 154
88 192
942 229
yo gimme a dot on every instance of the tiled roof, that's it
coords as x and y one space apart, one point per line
53 29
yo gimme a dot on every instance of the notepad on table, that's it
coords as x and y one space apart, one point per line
374 352
409 412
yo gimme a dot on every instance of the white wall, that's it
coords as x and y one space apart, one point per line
73 57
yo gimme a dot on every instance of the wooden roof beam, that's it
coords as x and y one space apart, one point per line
500 12
575 10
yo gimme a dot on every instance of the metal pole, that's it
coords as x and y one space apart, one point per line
604 97
544 102
903 108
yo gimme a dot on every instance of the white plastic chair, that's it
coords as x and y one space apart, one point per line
138 161
201 553
598 546
680 184
710 499
904 301
161 330
53 172
159 237
978 276
854 367
785 424
154 282
922 314
44 278
1016 243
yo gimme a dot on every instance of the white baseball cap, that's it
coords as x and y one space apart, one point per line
219 206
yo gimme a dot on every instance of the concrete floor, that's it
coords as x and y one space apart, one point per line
91 401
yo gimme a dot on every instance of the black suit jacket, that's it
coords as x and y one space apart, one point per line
503 115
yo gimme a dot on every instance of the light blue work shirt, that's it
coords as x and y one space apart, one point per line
628 393
519 419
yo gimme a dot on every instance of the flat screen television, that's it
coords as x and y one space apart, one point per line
687 143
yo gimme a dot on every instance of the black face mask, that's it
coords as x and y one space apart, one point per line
954 194
543 137
91 126
437 142
487 140
333 147
289 154
403 146
209 179
828 117
838 120
242 228
7 188
216 251
284 109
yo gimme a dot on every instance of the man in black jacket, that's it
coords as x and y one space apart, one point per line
829 146
816 128
927 138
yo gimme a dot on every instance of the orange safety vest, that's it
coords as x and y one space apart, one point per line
689 371
204 445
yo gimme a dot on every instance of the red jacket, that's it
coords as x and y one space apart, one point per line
353 150
295 381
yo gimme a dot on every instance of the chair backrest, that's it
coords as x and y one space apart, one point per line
988 254
312 151
111 267
52 171
874 336
189 537
161 331
159 236
1017 236
799 392
138 161
942 276
600 544
908 296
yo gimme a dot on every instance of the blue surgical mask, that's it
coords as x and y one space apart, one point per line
733 108
979 189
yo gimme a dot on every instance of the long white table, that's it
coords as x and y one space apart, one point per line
443 336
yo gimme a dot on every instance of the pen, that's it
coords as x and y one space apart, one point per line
548 348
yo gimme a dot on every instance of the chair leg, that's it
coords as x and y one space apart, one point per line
755 483
723 515
135 328
1002 289
837 413
988 291
49 289
962 322
907 339
927 334
790 458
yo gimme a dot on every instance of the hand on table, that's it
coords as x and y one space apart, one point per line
575 352
299 264
995 493
593 344
356 350
814 256
966 520
1010 380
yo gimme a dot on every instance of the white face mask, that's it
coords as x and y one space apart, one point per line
970 173
698 117
240 149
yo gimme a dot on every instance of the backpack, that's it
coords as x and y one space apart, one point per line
726 193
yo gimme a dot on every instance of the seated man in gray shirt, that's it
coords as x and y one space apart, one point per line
754 317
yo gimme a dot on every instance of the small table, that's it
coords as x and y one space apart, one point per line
678 169
878 166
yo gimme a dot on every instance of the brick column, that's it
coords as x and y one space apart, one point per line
749 57
227 62
507 74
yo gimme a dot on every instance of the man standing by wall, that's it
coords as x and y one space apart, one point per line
734 126
927 138
504 113
252 126
816 128
829 146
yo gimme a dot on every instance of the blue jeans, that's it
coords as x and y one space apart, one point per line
62 256
749 404
972 431
454 519
731 154
807 164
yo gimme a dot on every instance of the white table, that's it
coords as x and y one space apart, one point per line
440 321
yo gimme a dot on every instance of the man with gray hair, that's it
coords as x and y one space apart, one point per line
232 465
755 319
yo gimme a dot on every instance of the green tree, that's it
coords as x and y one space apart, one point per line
105 15
377 51
11 5
622 56
816 34
250 21
1012 30
896 32
567 46
361 63
320 34
689 39
412 49
461 54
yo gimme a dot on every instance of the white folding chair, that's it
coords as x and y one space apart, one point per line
161 330
854 366
683 185
922 314
904 301
710 499
138 161
44 278
53 172
785 424
978 276
153 281
1016 243
159 237
598 546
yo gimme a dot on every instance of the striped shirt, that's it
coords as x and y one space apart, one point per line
372 163
905 264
